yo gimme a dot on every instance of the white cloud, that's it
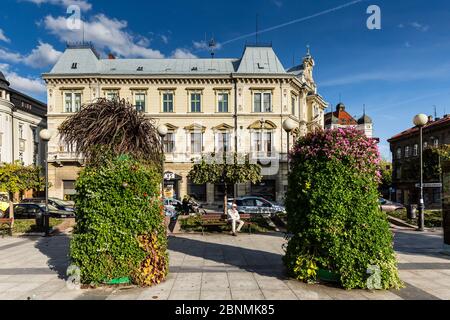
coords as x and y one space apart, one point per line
165 39
10 56
3 37
107 35
419 26
83 4
41 56
183 54
28 85
204 45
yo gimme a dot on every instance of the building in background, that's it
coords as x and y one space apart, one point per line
21 120
209 105
405 160
342 119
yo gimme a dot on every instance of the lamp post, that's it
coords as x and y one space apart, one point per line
46 135
288 126
162 131
420 121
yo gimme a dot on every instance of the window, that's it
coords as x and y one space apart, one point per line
293 105
262 142
436 142
72 102
407 152
20 131
262 102
416 150
196 142
223 102
399 153
139 100
168 102
223 142
112 95
196 102
169 142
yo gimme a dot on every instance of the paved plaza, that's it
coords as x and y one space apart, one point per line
218 266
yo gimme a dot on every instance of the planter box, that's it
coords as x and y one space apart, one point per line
124 280
328 276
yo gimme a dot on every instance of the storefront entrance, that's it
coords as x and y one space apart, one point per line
171 185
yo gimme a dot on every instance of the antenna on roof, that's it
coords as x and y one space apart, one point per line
364 109
82 27
435 113
257 28
212 46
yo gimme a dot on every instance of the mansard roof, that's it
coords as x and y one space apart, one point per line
83 60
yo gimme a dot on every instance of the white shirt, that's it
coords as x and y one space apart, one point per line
233 214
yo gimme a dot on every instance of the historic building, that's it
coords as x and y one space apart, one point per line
21 120
342 119
405 162
209 105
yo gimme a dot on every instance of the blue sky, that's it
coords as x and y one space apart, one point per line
398 71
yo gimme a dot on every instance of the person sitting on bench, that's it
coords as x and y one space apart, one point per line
233 217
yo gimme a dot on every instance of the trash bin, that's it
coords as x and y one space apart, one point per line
411 211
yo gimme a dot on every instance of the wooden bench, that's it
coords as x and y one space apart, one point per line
217 219
8 224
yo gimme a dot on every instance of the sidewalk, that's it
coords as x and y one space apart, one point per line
218 266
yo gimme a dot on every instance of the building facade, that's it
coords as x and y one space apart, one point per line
405 162
21 120
208 105
342 119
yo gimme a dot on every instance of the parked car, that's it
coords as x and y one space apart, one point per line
55 202
256 205
36 210
390 206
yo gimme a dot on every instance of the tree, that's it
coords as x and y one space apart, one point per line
112 127
14 177
224 169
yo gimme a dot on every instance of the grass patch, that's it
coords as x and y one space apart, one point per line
193 224
29 225
433 218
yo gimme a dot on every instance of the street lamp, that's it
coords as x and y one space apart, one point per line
420 121
288 126
162 131
46 135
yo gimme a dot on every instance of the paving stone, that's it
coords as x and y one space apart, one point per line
224 294
184 295
247 294
279 294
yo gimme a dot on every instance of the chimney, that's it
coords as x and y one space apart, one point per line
111 56
430 119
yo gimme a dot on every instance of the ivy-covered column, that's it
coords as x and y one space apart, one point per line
446 204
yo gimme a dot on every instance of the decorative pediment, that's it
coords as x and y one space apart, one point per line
171 127
267 124
195 127
223 127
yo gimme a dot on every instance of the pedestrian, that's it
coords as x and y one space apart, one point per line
185 205
233 218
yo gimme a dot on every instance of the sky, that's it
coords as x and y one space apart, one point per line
396 71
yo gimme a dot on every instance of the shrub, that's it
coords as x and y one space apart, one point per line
120 228
333 211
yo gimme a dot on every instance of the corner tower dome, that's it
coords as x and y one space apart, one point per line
3 82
